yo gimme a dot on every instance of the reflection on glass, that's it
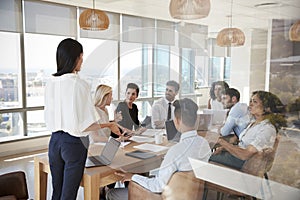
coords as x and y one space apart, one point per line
100 63
130 65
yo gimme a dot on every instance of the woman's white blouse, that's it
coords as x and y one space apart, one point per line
104 132
68 105
261 136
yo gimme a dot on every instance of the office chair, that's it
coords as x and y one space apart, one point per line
258 165
13 186
181 186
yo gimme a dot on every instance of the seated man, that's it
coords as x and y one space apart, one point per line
162 109
190 145
238 116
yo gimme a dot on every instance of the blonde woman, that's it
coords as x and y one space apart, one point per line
103 98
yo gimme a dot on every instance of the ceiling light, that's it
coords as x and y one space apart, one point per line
230 37
294 33
268 5
93 20
189 9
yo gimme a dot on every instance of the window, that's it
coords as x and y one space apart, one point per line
219 69
161 69
11 124
187 71
40 62
10 66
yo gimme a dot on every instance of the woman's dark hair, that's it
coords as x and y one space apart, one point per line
67 54
186 110
273 108
213 85
133 86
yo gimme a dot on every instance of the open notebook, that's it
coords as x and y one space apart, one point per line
107 155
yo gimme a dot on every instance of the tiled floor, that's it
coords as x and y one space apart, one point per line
285 169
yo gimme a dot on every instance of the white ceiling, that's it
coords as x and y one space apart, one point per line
245 14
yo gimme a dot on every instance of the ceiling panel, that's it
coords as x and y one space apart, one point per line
245 14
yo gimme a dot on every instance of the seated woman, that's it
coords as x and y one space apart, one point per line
103 98
215 101
128 109
260 134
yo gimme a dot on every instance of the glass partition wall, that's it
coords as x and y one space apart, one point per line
146 51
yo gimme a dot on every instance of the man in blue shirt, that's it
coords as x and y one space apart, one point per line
238 117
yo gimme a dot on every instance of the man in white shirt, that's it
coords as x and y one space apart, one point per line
238 117
191 145
160 108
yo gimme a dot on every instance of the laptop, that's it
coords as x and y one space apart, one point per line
219 116
204 122
172 134
107 155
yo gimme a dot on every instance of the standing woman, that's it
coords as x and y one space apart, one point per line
215 101
69 115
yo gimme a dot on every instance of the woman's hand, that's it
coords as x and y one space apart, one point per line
218 150
118 116
114 128
140 130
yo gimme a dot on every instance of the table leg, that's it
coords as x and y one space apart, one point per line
91 185
40 181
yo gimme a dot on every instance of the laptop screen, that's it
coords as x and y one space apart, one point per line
110 149
172 133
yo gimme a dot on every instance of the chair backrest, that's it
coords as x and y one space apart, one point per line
14 183
261 162
147 122
182 186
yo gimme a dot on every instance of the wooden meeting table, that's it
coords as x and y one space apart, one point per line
96 177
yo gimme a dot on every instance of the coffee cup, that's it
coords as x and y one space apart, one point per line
158 138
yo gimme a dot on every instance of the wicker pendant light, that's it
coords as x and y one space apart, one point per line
294 33
93 20
189 9
230 37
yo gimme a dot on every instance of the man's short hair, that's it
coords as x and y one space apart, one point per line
232 93
186 110
173 84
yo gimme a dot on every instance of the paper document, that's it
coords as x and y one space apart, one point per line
123 144
100 143
151 147
152 132
141 139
